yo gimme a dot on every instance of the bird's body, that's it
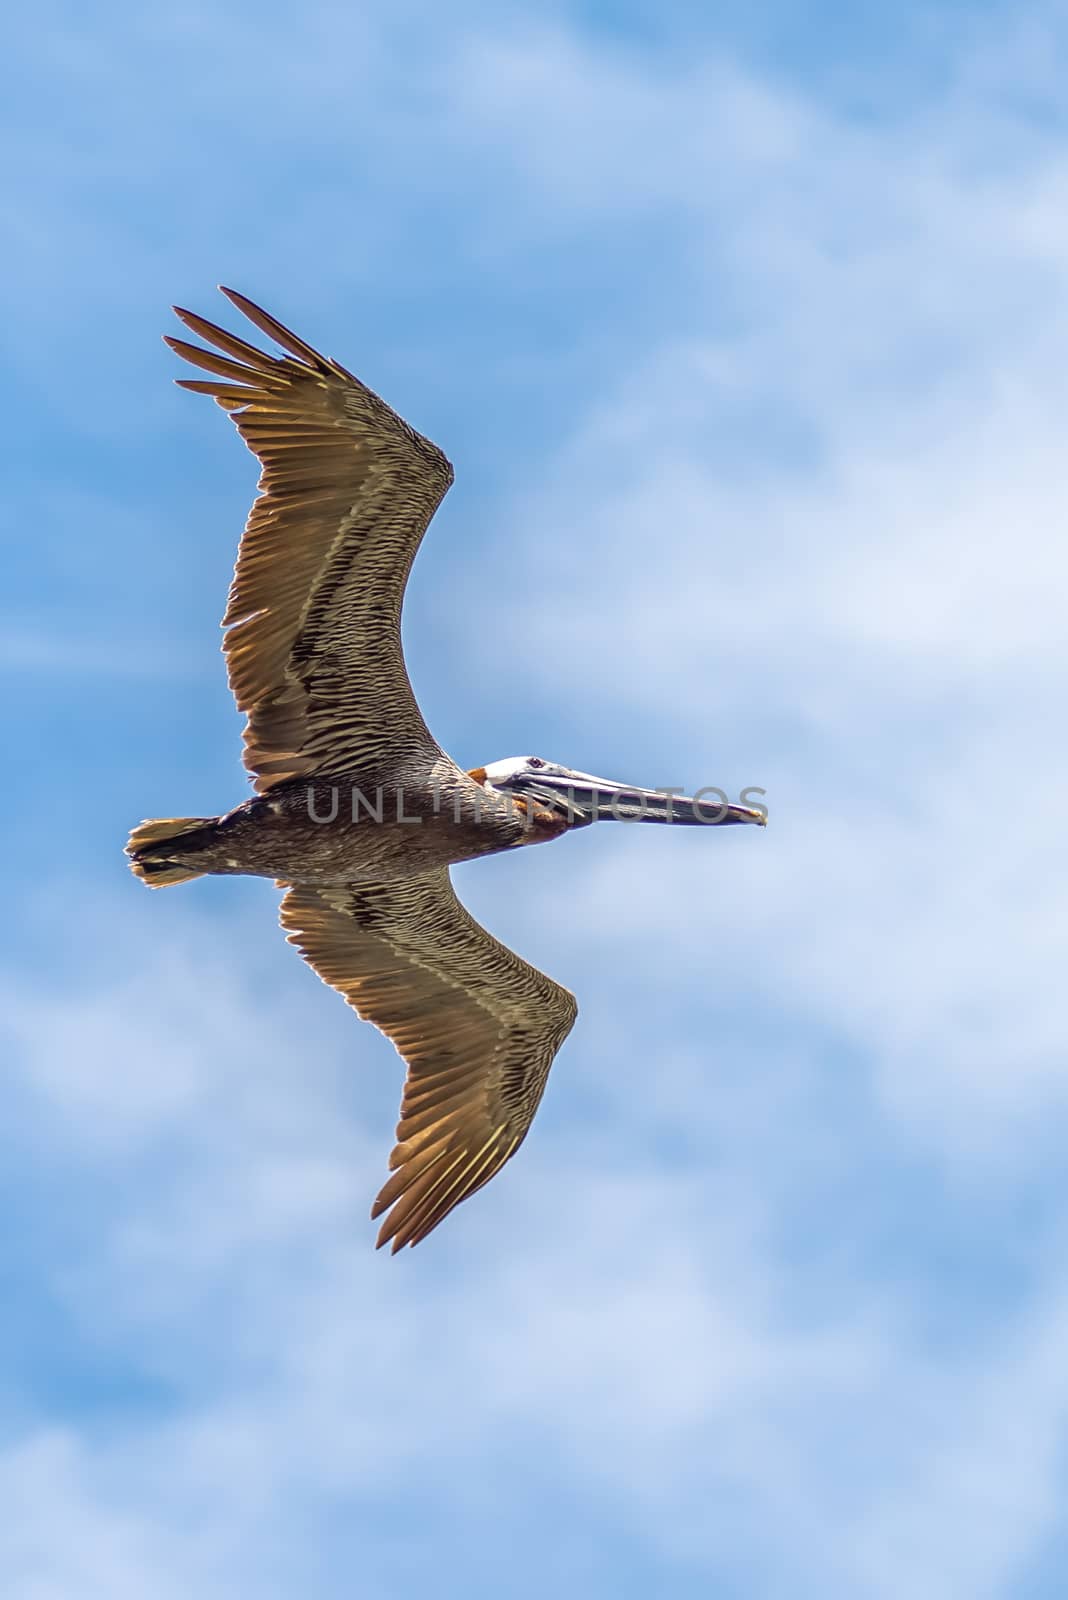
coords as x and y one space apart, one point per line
359 813
364 827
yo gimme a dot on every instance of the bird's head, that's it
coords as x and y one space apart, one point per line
580 798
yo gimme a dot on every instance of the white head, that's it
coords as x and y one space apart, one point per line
502 774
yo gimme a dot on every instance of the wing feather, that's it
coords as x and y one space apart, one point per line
347 489
477 1026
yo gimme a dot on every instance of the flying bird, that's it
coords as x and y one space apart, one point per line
358 813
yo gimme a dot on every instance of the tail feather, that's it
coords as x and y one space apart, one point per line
152 845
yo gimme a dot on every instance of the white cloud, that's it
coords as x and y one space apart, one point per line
872 582
644 1329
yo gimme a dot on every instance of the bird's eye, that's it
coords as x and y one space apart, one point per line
535 761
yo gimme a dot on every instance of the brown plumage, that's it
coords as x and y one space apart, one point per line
477 1026
347 490
313 650
358 812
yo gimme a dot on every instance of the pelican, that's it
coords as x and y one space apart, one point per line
358 813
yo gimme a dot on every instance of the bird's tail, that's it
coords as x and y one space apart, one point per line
153 845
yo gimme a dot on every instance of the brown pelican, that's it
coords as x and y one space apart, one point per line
358 812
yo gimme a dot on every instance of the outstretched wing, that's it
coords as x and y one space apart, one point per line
477 1026
313 643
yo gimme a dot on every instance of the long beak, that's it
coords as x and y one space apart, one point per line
590 799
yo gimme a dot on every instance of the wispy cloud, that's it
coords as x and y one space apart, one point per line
642 1329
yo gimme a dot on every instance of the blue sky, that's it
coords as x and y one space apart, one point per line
747 331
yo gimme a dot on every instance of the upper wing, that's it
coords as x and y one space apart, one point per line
477 1026
313 644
